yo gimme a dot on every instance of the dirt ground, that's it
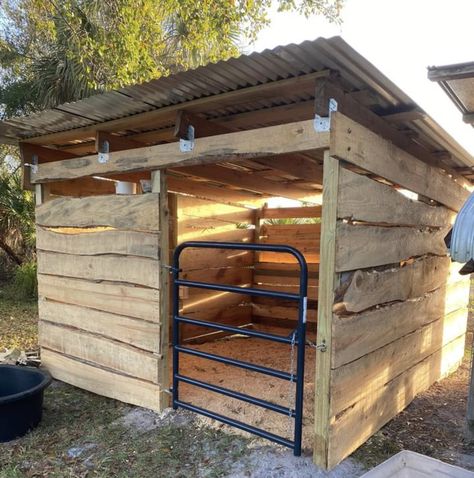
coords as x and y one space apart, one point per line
268 354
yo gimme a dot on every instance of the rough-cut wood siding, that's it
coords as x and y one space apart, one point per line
205 220
99 294
277 271
400 308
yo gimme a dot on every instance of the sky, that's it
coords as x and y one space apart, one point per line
401 38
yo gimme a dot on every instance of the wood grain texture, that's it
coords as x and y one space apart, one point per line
359 378
122 299
358 145
90 243
363 246
101 381
119 211
139 333
353 427
327 284
128 269
366 288
363 199
102 351
360 334
263 142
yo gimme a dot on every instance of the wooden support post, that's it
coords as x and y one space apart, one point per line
159 185
41 193
327 285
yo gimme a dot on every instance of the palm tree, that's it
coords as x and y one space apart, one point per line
17 231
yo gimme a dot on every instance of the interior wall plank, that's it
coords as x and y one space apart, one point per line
139 333
90 242
101 381
358 145
122 299
99 350
119 211
366 288
373 370
363 246
360 334
353 427
363 199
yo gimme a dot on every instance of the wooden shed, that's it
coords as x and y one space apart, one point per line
375 185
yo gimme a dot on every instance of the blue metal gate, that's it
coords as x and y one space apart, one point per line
296 339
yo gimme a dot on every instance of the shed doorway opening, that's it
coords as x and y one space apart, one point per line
270 207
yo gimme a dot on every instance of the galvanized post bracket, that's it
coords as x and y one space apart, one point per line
187 144
34 164
323 123
103 156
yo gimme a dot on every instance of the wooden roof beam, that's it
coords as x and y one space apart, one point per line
330 88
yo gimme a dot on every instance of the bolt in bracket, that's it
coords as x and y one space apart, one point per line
323 123
187 144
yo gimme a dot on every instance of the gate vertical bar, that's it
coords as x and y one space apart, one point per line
301 340
175 336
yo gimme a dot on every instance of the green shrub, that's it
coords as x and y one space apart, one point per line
24 285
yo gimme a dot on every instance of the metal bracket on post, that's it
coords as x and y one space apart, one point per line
34 164
186 145
104 152
323 123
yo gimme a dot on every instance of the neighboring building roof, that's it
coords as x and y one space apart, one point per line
207 83
458 82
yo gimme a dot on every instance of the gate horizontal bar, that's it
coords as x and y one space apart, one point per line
237 363
239 396
237 424
238 290
235 330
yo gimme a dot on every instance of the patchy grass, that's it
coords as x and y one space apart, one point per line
81 435
18 324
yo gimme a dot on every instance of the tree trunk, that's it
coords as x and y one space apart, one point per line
10 253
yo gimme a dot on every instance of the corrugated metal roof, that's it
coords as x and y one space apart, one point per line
224 76
458 82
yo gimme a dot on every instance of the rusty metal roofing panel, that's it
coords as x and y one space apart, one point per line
244 71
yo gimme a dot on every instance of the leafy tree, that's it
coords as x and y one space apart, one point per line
53 51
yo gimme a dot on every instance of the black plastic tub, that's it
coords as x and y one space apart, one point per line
21 399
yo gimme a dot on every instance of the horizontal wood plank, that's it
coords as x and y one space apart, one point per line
357 379
281 312
129 269
365 288
290 212
363 199
358 145
363 246
122 299
101 381
118 211
273 140
89 242
360 334
99 350
139 333
352 428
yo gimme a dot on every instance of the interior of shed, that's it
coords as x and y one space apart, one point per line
271 200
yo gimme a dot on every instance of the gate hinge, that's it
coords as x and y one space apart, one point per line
321 347
104 150
34 164
323 123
